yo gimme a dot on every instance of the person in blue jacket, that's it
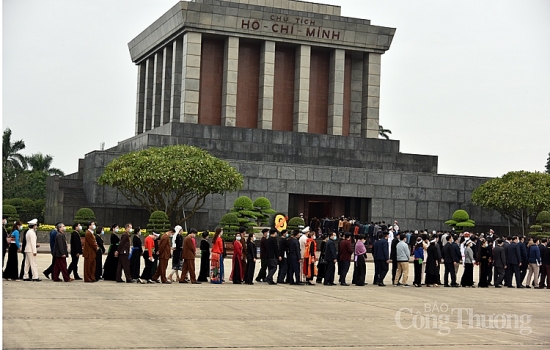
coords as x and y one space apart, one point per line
534 262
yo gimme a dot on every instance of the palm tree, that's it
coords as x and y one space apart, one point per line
11 158
42 163
383 132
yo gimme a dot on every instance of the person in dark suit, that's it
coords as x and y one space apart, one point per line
99 255
381 256
294 257
524 258
251 255
76 251
263 256
283 275
499 262
188 254
331 258
546 266
542 248
451 258
164 253
344 256
513 261
272 255
123 251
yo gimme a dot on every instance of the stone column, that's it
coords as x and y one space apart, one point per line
148 105
175 89
371 95
336 92
140 99
356 96
166 84
267 79
230 73
301 88
157 88
190 77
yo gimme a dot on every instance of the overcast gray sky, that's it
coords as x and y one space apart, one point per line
468 80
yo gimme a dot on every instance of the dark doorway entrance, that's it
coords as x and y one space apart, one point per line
319 209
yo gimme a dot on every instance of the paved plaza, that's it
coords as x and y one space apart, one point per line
109 315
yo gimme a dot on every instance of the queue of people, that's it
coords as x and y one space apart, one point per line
293 254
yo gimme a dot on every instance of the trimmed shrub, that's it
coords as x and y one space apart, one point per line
543 217
230 224
295 222
244 209
461 215
158 221
460 220
243 203
83 216
262 206
11 211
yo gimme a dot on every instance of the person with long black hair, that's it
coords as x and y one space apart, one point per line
12 266
251 255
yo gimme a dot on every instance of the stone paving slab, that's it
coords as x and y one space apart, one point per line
109 315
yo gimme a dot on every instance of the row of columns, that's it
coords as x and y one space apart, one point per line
169 81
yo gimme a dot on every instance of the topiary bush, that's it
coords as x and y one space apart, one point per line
11 211
543 224
262 206
158 221
295 222
460 220
83 216
244 209
230 224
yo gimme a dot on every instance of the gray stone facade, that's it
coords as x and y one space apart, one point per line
372 176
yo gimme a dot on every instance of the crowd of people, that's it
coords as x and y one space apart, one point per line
294 254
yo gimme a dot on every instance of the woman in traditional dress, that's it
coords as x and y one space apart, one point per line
177 248
216 263
10 272
418 261
135 254
205 258
309 268
467 279
323 266
483 260
432 265
251 255
237 273
99 254
111 262
360 270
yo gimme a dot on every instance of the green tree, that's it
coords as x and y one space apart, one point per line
11 158
42 163
230 224
383 132
171 178
295 222
543 224
11 212
461 219
548 164
26 184
517 196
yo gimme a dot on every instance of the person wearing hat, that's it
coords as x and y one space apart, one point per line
467 279
164 252
360 269
149 243
89 253
189 250
177 248
30 252
262 274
